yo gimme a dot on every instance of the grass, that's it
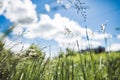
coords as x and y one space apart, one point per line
67 67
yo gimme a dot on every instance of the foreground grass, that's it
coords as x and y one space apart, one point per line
66 67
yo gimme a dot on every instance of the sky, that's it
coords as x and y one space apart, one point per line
57 24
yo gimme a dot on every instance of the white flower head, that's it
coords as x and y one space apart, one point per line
103 26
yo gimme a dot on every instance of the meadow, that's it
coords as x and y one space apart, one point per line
32 64
66 66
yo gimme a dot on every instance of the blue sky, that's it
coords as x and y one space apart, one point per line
43 22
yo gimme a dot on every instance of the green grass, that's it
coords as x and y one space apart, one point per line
67 66
74 66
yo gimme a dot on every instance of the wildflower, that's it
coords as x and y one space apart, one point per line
103 28
67 30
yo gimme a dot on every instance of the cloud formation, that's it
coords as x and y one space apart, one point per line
55 29
115 47
18 11
118 36
15 45
47 7
60 29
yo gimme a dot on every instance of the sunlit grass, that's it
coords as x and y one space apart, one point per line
71 65
77 66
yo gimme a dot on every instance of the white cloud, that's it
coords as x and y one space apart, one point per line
20 11
18 30
83 44
47 27
47 7
15 46
54 29
115 47
98 36
118 36
3 4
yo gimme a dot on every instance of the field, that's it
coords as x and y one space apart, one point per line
69 66
59 40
